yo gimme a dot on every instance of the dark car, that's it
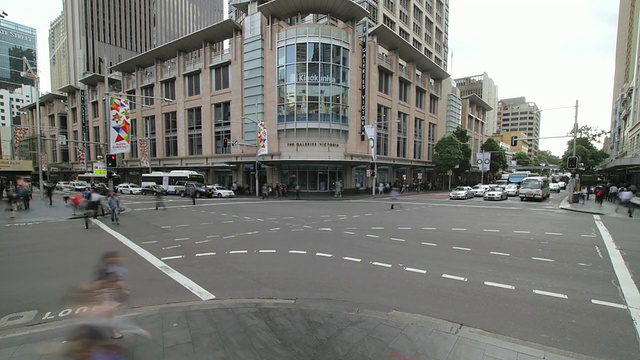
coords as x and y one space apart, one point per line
201 190
102 189
152 189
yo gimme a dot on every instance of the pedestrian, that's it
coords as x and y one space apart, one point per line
76 199
66 193
600 195
191 191
265 189
114 205
297 191
625 197
584 193
95 201
49 191
394 196
613 193
380 188
159 199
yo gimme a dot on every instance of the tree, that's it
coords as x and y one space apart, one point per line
588 154
546 157
448 153
463 138
523 159
498 155
593 134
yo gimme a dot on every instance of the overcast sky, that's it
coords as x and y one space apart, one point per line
553 52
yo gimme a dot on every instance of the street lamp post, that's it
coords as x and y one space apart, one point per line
32 74
257 178
373 157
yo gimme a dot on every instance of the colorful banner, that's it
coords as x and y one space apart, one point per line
119 137
370 131
19 133
81 158
43 162
483 160
143 152
263 145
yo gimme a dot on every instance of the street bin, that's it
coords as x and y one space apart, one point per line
576 198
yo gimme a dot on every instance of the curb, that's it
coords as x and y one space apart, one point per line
568 208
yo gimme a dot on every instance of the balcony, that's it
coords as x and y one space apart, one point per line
147 77
192 61
168 70
385 61
220 56
404 72
130 81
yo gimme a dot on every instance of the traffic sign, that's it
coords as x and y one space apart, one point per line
62 140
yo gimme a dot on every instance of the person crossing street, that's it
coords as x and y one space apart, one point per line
114 205
160 199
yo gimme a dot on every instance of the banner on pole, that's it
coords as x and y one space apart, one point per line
370 131
483 159
263 144
19 133
81 157
43 162
119 134
143 152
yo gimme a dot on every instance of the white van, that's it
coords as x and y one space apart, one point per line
534 188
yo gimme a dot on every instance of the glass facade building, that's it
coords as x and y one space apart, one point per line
16 41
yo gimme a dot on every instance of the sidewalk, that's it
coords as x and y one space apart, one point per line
287 329
590 207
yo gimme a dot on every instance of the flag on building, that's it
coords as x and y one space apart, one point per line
19 133
119 137
143 152
370 130
81 158
483 159
263 144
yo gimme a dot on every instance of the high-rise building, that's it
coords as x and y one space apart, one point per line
625 116
12 101
16 41
483 86
516 114
454 107
58 61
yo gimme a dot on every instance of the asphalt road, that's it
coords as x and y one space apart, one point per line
521 269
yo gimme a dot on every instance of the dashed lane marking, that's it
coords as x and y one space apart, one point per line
589 236
429 244
212 236
499 253
428 228
373 236
206 254
552 294
503 286
419 271
377 228
458 229
149 242
397 239
460 248
404 228
351 259
202 241
238 252
368 214
228 236
356 216
274 229
324 255
266 251
522 232
206 223
598 251
181 239
553 233
325 216
297 229
453 277
349 232
542 259
606 303
165 227
324 229
183 225
490 230
380 264
171 247
297 252
172 257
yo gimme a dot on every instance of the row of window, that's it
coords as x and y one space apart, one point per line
382 135
404 92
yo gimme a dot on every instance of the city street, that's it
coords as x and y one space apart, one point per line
526 270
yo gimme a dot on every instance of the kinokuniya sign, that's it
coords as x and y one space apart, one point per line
303 77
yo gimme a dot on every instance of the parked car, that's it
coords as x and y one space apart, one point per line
554 187
201 190
153 189
61 185
511 190
461 192
563 185
132 189
102 189
221 191
480 189
120 186
78 185
495 193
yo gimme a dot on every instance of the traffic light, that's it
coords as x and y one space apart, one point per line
372 173
225 143
572 162
372 166
514 141
258 166
112 160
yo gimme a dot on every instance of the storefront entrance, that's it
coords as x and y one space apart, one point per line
312 177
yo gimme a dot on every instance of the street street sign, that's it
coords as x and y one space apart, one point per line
99 168
62 140
419 176
449 172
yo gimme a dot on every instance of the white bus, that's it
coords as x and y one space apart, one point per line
91 178
168 179
534 188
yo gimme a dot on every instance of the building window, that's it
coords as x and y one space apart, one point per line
431 145
52 121
220 77
418 128
74 115
390 5
433 104
384 82
96 139
403 34
404 17
222 126
388 22
94 109
134 138
131 96
147 96
192 85
194 130
169 89
403 93
417 44
382 124
150 133
170 134
420 94
403 128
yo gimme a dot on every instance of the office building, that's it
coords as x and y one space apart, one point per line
12 101
16 41
516 114
474 119
58 53
301 72
521 145
484 87
625 117
454 107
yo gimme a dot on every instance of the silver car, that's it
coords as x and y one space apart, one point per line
495 193
461 192
511 190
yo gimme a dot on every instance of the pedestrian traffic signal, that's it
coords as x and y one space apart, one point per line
372 166
514 141
112 160
372 173
225 143
259 166
572 162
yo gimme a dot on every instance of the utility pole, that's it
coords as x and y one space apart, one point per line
107 114
28 72
575 129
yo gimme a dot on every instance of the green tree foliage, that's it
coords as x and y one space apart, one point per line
498 155
593 134
587 153
546 157
448 153
523 159
463 138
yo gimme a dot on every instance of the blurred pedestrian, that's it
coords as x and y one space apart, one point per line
613 193
192 192
265 191
95 202
625 197
297 191
66 193
584 193
159 199
49 191
394 196
76 199
114 205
